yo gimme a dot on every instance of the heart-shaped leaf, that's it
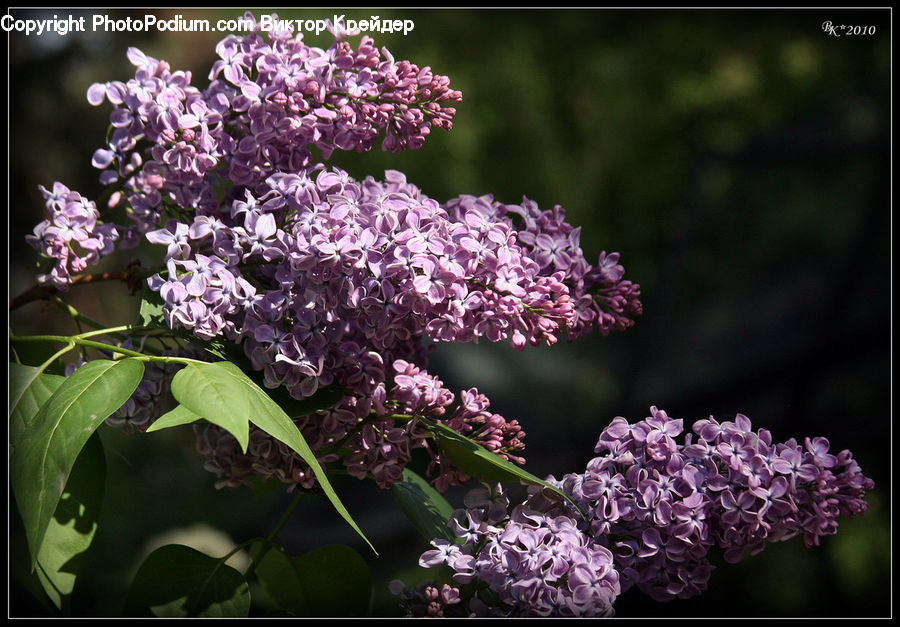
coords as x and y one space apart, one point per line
29 389
268 416
223 394
178 581
278 577
331 581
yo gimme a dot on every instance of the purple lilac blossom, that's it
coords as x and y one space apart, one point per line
324 279
379 436
531 563
73 236
650 509
660 504
331 281
271 99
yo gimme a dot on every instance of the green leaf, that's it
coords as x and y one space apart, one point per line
29 389
336 581
476 461
332 581
178 581
45 447
181 415
268 416
74 523
278 577
221 393
425 507
151 312
323 399
20 378
210 391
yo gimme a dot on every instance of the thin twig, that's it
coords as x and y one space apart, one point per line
130 275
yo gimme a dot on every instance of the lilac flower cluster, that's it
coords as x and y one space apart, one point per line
325 280
371 437
661 506
516 563
271 98
72 236
649 511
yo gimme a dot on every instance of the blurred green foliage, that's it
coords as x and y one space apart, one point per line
739 161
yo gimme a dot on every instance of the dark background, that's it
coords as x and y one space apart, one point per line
738 160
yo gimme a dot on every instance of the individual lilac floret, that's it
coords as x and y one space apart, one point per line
661 500
518 563
429 598
73 236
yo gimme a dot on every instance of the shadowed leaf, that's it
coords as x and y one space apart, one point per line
177 581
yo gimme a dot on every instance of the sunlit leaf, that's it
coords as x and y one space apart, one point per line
209 391
151 311
181 415
223 394
45 447
268 416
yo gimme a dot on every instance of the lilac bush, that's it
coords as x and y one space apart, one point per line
277 267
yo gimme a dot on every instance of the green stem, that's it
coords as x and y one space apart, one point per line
56 356
75 314
269 541
81 340
109 331
240 547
